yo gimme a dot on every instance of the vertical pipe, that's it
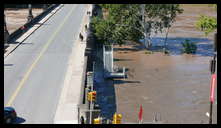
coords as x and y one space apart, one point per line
211 112
92 89
90 112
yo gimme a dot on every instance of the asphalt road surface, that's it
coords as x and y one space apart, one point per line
35 71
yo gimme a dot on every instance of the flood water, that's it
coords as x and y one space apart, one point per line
177 87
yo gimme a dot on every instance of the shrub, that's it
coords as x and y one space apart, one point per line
148 52
189 47
206 24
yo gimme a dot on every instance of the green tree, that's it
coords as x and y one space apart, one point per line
124 21
160 17
207 24
103 29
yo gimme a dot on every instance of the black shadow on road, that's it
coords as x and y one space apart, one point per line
42 24
13 42
27 43
8 64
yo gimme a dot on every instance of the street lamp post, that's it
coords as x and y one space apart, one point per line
30 16
45 6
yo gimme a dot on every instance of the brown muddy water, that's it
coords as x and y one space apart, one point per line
176 87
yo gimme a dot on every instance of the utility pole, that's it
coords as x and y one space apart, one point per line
91 104
91 109
30 16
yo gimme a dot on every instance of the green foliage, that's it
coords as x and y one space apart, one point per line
213 5
123 21
206 24
189 47
148 52
103 29
161 15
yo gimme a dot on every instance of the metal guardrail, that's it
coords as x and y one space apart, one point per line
87 82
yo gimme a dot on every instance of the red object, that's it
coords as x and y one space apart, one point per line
212 88
140 113
23 27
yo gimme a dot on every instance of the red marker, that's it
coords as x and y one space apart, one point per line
212 88
23 27
140 113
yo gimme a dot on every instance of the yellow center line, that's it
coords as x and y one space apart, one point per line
38 58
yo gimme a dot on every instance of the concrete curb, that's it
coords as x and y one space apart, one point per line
21 39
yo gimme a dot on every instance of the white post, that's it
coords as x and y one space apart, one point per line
91 112
104 56
112 59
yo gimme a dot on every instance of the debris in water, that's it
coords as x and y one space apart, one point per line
207 114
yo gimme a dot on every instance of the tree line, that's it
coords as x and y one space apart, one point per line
119 23
122 22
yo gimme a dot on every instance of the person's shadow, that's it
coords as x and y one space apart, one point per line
19 120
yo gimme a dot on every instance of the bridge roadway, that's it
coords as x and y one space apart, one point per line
34 72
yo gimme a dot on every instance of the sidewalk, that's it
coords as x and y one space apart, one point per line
67 109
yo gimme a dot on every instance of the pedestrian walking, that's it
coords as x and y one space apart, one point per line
82 120
85 27
81 37
88 12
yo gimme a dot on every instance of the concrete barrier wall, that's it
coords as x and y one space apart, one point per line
90 57
13 36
